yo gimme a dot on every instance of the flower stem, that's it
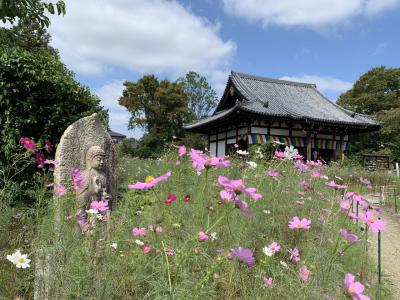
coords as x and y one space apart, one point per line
168 271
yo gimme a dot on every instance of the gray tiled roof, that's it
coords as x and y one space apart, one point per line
286 99
292 100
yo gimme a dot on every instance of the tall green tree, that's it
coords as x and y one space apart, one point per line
159 107
38 10
377 93
202 97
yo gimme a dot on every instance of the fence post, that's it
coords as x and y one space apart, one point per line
381 197
379 256
397 169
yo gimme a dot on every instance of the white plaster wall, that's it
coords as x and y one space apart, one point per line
231 141
259 130
284 132
213 148
221 148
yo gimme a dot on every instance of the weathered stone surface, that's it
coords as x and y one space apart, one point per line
79 146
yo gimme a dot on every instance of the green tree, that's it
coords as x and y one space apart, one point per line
156 105
27 34
202 97
376 93
39 98
10 10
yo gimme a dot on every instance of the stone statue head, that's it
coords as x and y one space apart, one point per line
95 158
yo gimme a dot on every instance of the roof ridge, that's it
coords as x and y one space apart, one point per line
272 80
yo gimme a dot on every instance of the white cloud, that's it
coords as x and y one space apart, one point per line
119 116
146 36
306 13
323 83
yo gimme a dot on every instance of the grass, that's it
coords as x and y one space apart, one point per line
86 267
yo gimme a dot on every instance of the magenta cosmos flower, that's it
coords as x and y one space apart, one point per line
203 236
59 190
279 155
201 161
99 205
334 185
139 231
352 238
358 198
274 174
48 146
28 143
149 182
374 223
366 182
304 273
77 179
296 223
181 150
294 255
171 198
233 190
267 281
354 288
243 255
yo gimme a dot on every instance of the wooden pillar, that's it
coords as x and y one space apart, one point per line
341 148
309 146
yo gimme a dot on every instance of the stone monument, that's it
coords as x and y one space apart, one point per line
87 146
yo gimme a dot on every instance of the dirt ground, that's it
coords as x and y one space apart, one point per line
390 247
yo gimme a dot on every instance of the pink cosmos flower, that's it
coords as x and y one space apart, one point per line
366 182
169 252
279 155
201 161
349 236
83 224
99 205
146 249
139 231
354 288
334 185
59 190
300 166
301 193
294 255
300 202
304 273
233 190
374 224
346 205
171 198
203 236
40 159
178 162
314 163
296 223
315 174
149 182
274 247
236 146
243 255
267 281
159 229
48 146
358 198
28 143
181 150
274 174
297 156
305 184
77 179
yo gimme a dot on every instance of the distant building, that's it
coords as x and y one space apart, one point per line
255 110
117 137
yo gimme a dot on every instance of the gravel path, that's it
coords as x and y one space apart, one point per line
390 246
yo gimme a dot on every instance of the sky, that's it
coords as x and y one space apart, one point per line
326 42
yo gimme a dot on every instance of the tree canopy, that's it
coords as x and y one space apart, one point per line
11 10
377 93
202 97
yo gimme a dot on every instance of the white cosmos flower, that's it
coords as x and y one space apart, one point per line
139 242
114 245
267 251
251 164
19 260
265 211
283 263
92 211
242 152
290 152
213 236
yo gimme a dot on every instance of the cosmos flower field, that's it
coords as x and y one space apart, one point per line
191 226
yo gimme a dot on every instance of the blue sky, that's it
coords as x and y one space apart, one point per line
327 42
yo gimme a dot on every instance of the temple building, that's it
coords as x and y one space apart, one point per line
257 110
